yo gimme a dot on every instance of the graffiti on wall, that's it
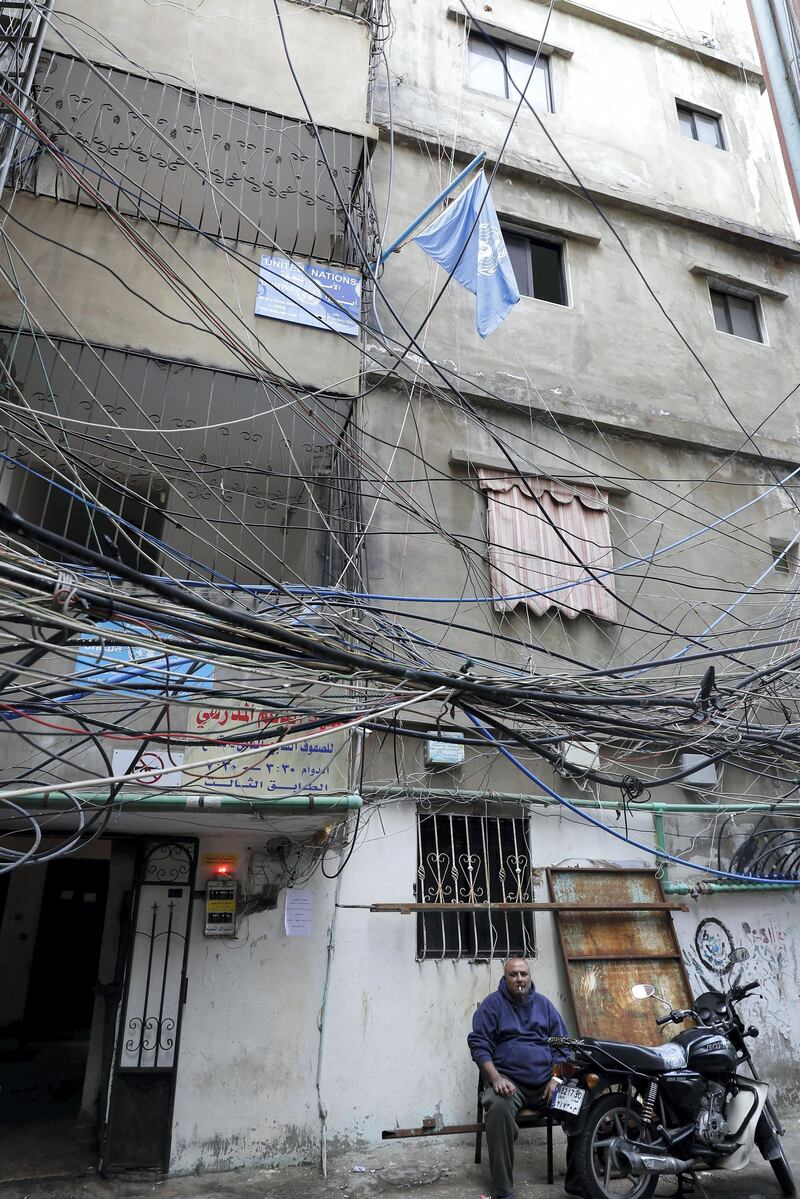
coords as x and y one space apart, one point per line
772 962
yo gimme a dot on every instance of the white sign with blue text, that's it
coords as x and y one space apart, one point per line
308 293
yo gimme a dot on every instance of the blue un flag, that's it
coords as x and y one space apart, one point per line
484 268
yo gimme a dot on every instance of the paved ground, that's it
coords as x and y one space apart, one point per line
439 1168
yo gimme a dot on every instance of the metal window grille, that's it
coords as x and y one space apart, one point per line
272 186
784 556
473 859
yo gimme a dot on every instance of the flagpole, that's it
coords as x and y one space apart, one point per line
476 162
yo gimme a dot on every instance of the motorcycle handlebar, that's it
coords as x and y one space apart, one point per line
740 992
677 1016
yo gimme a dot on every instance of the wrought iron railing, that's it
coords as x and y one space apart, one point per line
166 154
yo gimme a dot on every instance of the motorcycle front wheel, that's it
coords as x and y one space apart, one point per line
600 1176
783 1173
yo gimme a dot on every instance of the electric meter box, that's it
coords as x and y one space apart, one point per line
221 902
447 750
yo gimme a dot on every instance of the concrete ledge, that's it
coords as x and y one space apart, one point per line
748 72
735 283
590 413
472 462
535 170
513 38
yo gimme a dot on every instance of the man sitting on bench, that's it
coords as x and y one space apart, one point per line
508 1043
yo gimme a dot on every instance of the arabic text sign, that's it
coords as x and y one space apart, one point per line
317 766
301 292
298 912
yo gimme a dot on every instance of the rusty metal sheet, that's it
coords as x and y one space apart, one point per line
606 952
618 932
604 1007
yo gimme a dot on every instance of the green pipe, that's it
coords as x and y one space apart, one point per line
673 888
148 802
657 806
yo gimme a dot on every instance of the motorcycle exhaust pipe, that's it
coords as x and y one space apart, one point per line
633 1162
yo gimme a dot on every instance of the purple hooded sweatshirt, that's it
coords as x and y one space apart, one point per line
513 1036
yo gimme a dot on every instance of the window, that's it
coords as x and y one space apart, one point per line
784 555
700 126
473 859
542 536
538 266
503 70
737 315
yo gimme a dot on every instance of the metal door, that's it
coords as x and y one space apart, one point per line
606 952
141 1092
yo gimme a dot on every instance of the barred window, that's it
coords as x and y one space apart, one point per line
473 859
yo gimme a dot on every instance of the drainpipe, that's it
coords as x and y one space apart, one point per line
355 767
133 802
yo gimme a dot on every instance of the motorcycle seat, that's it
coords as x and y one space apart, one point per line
613 1054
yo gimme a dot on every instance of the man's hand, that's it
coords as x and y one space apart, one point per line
552 1087
504 1086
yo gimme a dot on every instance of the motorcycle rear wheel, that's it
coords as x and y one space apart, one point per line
600 1178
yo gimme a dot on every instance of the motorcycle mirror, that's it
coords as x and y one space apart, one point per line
642 991
738 955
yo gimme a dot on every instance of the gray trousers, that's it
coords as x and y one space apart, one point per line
500 1119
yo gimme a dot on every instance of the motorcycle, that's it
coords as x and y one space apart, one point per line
638 1112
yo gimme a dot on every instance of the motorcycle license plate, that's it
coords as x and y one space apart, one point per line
569 1100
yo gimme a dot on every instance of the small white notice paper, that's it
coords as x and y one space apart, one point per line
299 912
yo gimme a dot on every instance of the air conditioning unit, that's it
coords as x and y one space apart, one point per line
704 777
580 755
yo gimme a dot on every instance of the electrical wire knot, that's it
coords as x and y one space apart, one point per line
66 593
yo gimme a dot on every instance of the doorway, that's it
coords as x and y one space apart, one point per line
50 934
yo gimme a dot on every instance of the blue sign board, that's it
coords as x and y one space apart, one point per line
136 665
307 293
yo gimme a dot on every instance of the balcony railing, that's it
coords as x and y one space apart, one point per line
99 443
165 154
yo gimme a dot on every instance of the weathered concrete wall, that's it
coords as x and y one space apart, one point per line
615 90
395 1028
109 291
667 502
610 354
232 50
246 1079
766 925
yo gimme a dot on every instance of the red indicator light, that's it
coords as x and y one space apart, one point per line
223 869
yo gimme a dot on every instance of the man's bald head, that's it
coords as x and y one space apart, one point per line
517 974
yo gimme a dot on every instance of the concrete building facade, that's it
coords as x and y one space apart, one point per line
645 198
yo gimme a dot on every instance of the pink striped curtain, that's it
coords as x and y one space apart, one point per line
527 556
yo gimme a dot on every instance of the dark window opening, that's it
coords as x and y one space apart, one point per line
134 514
737 315
473 859
538 267
784 555
700 126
